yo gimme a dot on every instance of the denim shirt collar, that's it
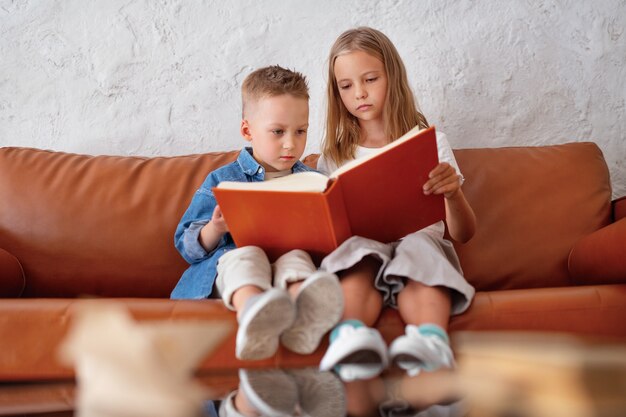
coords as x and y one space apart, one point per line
248 164
251 167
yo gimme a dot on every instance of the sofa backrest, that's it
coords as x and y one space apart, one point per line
532 204
97 225
104 226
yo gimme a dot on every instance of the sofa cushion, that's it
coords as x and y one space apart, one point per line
600 258
97 225
12 280
532 205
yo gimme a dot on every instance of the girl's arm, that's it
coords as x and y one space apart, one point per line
460 217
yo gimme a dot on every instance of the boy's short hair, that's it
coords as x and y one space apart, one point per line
273 81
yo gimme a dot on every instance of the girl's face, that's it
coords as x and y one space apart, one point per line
362 83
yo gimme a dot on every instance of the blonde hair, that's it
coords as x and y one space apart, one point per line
400 113
270 82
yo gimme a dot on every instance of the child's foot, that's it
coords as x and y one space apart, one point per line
355 351
422 348
262 320
271 392
319 305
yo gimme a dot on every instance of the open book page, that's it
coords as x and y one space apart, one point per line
383 194
301 181
355 162
379 198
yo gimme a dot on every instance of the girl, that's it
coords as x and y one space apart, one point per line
370 104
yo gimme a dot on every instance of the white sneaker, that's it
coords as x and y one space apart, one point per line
262 321
319 305
355 352
272 392
415 352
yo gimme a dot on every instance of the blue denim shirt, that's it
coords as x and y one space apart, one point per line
197 281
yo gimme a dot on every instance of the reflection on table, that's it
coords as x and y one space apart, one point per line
309 392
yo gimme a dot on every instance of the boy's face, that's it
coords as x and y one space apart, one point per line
276 127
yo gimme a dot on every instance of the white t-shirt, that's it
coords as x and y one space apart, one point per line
444 151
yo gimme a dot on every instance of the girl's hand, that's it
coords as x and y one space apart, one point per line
443 179
219 224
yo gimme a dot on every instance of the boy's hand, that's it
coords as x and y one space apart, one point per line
213 231
219 224
443 179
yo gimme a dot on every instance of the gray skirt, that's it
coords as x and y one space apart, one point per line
420 257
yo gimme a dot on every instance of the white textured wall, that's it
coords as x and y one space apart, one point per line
162 77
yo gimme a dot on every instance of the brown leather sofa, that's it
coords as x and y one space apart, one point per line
549 254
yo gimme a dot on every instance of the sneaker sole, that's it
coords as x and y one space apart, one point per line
271 392
321 394
319 307
258 338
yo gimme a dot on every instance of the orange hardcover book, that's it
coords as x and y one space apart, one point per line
379 197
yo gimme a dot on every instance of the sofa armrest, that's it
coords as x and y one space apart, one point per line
12 280
619 208
600 258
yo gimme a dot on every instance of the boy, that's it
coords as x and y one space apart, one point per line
301 304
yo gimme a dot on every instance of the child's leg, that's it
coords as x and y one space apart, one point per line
243 294
428 286
425 268
291 269
357 351
419 303
317 296
242 273
358 262
425 345
362 301
244 280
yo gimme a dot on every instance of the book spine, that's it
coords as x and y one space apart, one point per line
337 213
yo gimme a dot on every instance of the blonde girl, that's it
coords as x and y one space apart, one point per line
370 104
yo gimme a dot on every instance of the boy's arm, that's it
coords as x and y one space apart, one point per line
198 215
213 231
460 217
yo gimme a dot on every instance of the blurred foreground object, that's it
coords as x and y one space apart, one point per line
536 375
125 368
